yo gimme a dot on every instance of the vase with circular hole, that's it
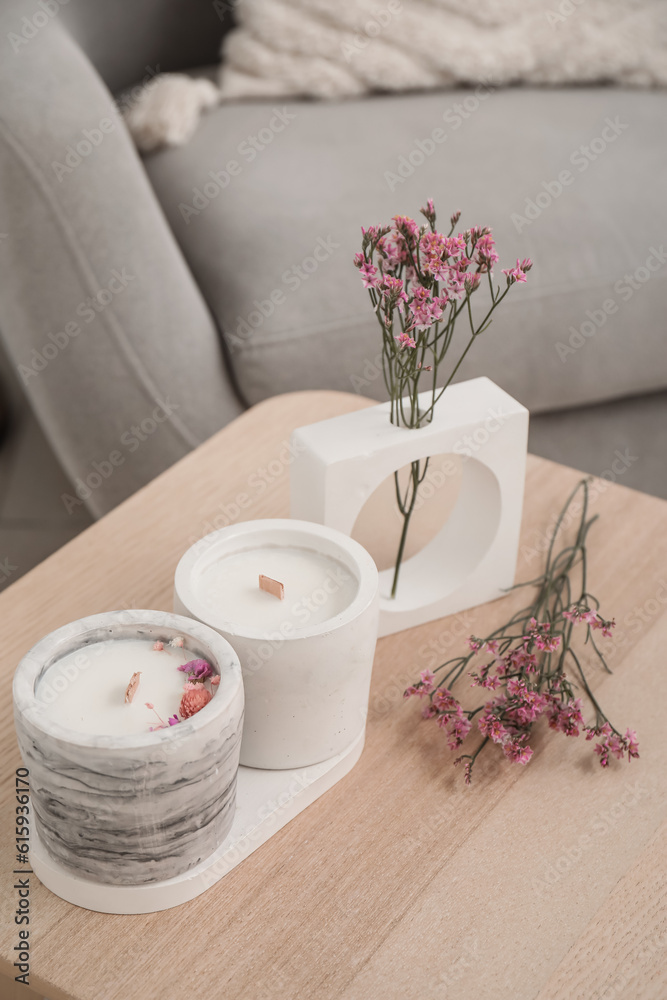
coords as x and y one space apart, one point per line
340 462
118 796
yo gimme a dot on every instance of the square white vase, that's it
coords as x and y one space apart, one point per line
340 462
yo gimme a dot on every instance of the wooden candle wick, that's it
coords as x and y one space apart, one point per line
272 586
132 687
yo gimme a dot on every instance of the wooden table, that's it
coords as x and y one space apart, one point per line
539 882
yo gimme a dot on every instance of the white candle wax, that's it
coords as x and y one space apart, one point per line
85 690
317 587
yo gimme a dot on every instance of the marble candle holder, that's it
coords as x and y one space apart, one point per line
306 686
135 809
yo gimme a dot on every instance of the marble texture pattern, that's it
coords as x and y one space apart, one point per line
131 810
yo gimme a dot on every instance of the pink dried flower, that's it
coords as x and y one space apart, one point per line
457 732
163 724
577 615
565 717
490 725
613 743
195 697
425 309
197 670
517 750
485 679
432 245
455 246
444 700
158 646
406 226
428 211
405 340
533 683
427 679
517 273
369 275
393 290
631 743
415 690
485 253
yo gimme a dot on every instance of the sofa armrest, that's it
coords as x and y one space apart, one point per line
99 313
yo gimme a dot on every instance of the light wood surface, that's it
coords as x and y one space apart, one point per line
541 882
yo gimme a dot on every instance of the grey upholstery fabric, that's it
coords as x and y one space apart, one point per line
99 313
624 441
314 172
270 243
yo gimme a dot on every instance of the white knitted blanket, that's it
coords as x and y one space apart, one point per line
342 48
335 48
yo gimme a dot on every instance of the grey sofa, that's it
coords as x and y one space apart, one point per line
170 293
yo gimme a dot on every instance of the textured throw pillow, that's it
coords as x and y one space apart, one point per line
335 48
343 48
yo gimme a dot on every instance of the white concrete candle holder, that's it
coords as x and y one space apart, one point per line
129 810
340 462
306 660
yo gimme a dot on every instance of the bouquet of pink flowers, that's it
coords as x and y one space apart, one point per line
420 281
532 667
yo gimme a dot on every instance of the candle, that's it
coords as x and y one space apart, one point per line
306 659
317 587
85 690
112 801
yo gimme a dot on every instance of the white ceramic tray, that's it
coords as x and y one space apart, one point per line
265 802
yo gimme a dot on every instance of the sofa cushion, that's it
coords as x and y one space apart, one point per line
267 200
